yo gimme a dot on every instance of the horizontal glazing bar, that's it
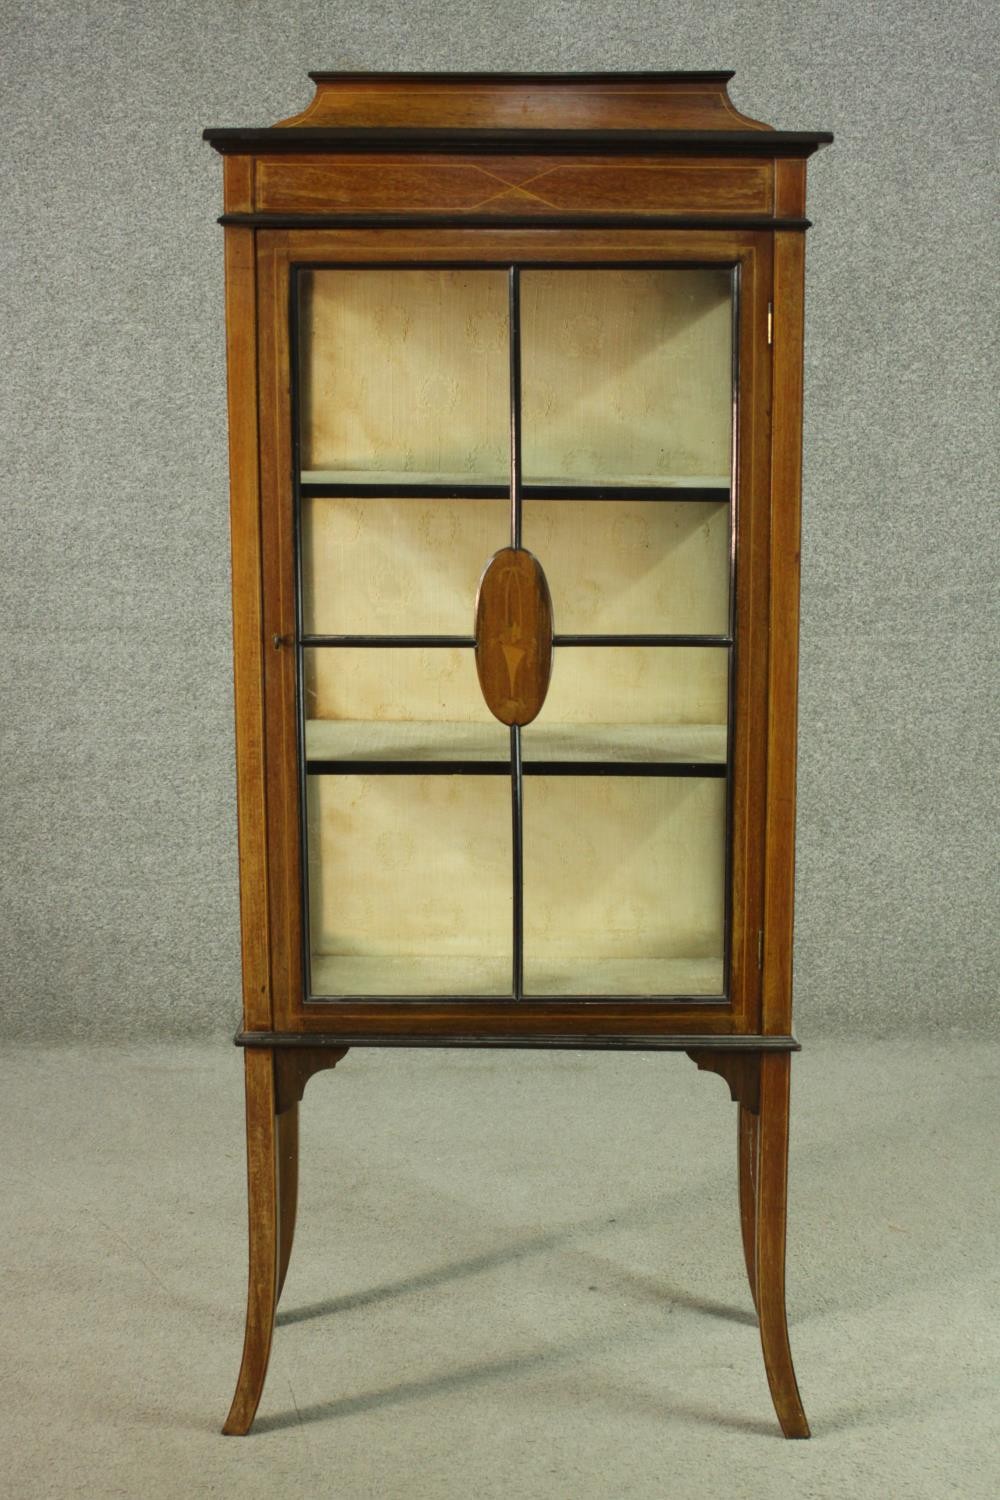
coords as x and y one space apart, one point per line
388 640
409 768
642 640
608 490
502 768
475 490
557 640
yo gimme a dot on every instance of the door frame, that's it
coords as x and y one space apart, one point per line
534 1021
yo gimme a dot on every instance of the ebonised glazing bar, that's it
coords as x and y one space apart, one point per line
514 341
517 851
388 640
450 641
384 767
475 490
608 490
516 769
641 640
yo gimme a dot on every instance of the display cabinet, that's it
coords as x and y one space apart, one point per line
515 385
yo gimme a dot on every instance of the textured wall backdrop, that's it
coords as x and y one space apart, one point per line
118 900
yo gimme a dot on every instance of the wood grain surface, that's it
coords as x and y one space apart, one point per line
306 183
574 684
664 101
627 370
514 636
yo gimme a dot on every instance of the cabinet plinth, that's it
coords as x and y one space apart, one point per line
515 405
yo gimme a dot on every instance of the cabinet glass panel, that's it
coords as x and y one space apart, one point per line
402 704
403 375
395 566
627 376
428 875
644 704
627 423
409 885
624 885
631 567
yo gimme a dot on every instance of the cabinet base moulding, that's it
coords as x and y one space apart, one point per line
552 1040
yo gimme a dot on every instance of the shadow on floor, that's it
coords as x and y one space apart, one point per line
474 1374
651 1288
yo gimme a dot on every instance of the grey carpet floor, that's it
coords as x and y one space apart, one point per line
515 1276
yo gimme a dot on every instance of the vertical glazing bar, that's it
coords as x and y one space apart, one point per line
515 406
517 833
516 775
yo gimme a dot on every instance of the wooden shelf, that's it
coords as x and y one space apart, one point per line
392 974
622 976
634 744
442 975
442 747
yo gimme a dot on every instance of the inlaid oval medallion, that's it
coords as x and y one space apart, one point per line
514 636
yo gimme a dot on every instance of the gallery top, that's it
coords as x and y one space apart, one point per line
512 113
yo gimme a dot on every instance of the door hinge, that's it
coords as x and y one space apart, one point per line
760 948
770 322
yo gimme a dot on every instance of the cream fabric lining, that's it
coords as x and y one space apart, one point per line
624 372
394 567
602 685
330 739
621 869
491 975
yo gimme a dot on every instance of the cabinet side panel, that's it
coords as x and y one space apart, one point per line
786 473
790 188
241 351
750 706
277 528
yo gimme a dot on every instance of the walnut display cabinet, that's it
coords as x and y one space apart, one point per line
515 397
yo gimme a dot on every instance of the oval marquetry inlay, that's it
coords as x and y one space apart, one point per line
514 636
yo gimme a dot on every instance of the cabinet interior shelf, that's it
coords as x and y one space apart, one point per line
401 485
447 748
444 978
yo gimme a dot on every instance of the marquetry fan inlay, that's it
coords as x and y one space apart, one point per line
514 636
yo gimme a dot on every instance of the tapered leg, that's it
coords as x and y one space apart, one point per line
288 1187
263 1207
772 1193
748 1145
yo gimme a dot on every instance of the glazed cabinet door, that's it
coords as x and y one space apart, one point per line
541 804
